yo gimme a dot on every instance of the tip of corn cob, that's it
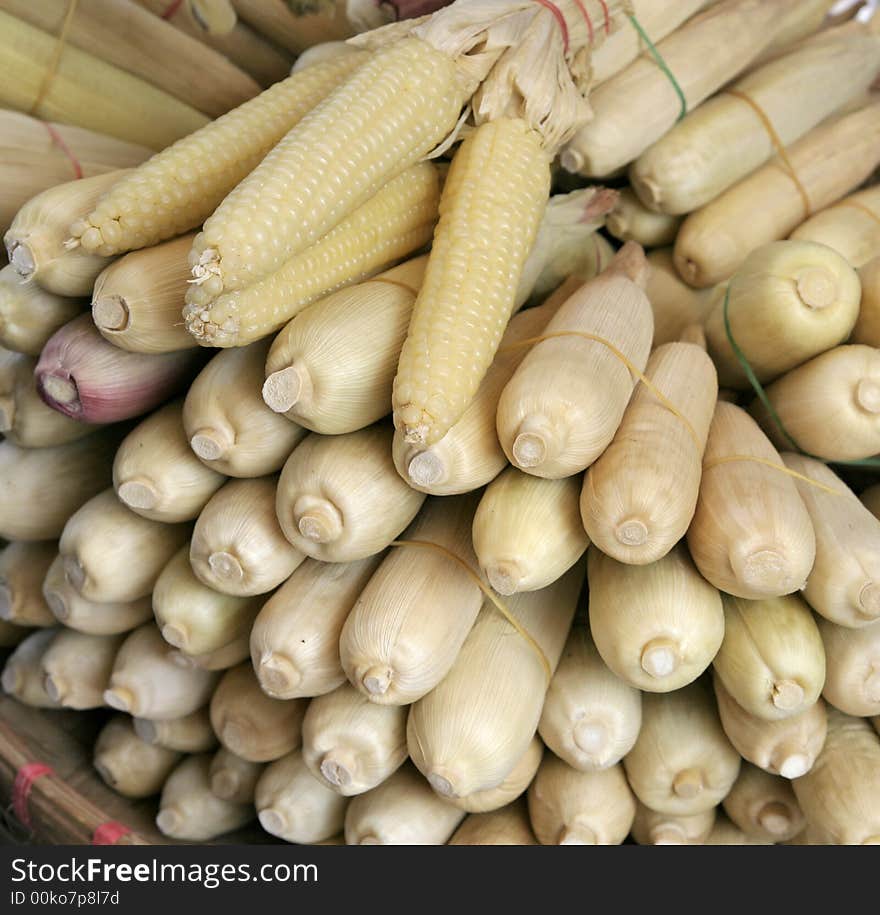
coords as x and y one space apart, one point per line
225 566
337 767
138 494
668 834
577 835
591 737
443 782
169 821
817 287
21 258
146 730
504 577
273 821
210 444
427 469
869 601
688 783
11 679
761 570
119 698
282 389
660 657
786 694
775 818
175 635
59 392
234 736
318 520
74 572
533 443
181 659
277 674
794 766
632 532
105 772
57 605
110 312
377 679
55 688
868 395
225 784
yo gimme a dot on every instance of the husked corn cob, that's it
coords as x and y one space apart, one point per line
134 110
181 186
493 201
29 315
392 224
384 118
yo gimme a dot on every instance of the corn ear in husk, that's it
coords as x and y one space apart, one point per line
841 793
294 642
29 315
653 828
189 809
852 683
250 723
23 566
567 807
657 626
23 676
294 805
639 497
233 778
764 806
147 683
506 826
191 733
751 535
237 545
851 227
844 584
129 765
591 718
77 667
682 762
499 679
786 746
351 744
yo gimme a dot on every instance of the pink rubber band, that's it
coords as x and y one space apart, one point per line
21 789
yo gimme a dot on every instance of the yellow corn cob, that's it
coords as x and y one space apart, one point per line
181 186
394 223
78 93
492 204
396 108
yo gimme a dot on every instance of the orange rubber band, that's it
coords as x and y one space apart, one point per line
730 458
560 20
854 204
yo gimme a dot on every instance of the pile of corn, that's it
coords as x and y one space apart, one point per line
392 566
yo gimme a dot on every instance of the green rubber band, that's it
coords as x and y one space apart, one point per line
661 63
758 388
